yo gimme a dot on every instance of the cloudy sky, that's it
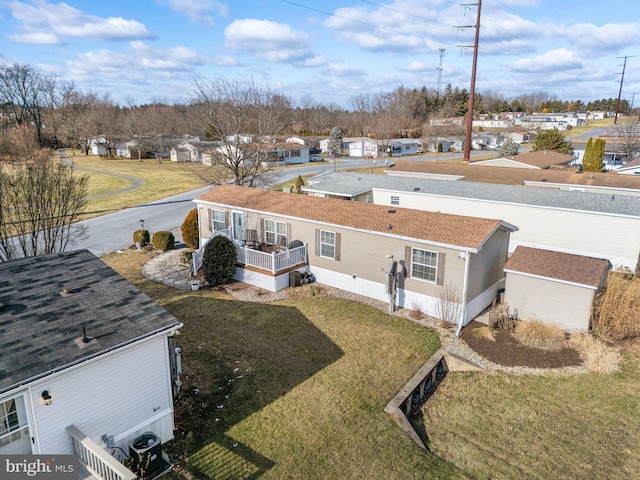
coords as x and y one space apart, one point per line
330 50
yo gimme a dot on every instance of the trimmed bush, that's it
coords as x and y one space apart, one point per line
141 237
189 229
219 261
163 240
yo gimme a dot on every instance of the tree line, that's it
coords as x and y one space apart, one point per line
61 115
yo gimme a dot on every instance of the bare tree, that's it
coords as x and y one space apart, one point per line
79 119
244 119
40 202
627 134
23 93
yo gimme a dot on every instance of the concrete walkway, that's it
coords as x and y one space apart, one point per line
166 268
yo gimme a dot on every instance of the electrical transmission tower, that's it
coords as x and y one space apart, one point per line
624 66
441 49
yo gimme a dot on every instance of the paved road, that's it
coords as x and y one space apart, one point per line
115 231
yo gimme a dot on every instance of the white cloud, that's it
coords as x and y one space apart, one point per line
342 69
267 40
559 60
51 23
198 10
603 40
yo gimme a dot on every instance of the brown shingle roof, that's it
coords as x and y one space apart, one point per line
440 228
541 159
567 267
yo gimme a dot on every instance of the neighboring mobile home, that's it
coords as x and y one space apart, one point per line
88 361
554 287
583 223
349 245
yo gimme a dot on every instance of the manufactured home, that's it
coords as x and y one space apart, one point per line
350 246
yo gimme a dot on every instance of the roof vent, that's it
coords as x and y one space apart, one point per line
415 189
66 291
390 227
392 211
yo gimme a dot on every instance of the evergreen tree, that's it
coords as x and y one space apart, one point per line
553 140
598 153
588 158
508 148
219 260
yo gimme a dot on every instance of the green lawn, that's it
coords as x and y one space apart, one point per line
296 389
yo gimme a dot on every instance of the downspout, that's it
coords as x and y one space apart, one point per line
465 284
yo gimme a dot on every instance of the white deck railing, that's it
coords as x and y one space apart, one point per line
97 460
272 262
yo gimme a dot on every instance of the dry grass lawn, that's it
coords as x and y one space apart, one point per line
296 389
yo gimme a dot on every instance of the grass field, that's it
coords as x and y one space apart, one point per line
296 389
115 175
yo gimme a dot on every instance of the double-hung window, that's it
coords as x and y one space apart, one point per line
327 244
395 200
273 230
14 427
424 264
218 220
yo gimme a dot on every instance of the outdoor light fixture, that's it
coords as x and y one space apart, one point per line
141 222
46 397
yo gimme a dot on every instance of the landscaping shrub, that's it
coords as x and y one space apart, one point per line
163 240
485 332
299 183
141 237
616 314
500 317
189 229
219 260
596 355
536 334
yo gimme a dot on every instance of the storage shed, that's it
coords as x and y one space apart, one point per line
553 287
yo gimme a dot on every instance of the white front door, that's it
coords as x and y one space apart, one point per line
238 227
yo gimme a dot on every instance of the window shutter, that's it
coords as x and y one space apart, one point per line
288 235
226 219
317 242
337 248
210 219
262 230
407 261
440 272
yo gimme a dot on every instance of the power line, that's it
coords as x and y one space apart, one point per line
624 66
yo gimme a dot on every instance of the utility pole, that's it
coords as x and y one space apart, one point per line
441 49
467 143
624 66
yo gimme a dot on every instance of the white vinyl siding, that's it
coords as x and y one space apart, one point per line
327 244
272 230
110 395
424 264
218 219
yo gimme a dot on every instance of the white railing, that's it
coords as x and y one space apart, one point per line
272 262
95 459
199 254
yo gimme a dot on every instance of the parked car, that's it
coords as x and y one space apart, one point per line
316 158
314 150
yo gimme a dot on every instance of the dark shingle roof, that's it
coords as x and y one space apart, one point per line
567 267
39 327
436 228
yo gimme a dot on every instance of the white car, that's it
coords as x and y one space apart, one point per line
316 158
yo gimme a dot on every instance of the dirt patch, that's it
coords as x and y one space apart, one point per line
505 350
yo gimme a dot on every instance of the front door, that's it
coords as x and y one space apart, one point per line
238 227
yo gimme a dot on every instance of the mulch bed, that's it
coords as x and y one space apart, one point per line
506 350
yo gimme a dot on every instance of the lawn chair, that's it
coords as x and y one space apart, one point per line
251 238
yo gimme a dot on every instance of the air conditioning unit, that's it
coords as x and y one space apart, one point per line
145 452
